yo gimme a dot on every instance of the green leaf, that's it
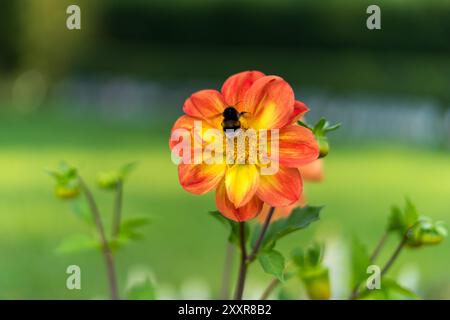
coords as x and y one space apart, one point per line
142 291
330 128
396 289
319 126
411 215
127 169
315 254
310 259
389 290
63 173
272 263
81 209
133 223
109 180
360 260
303 124
232 226
300 218
130 228
396 221
323 126
77 243
284 294
298 256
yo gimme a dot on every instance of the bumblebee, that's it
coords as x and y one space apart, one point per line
231 119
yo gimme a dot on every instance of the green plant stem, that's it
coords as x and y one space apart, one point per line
373 257
247 259
243 265
226 277
258 242
117 210
388 264
380 246
106 250
395 255
273 284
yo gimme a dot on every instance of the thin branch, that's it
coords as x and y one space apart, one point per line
388 264
273 284
380 246
376 252
395 255
243 265
117 210
258 243
106 250
228 266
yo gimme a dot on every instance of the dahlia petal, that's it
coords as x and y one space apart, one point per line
182 123
281 189
200 178
280 212
207 105
244 213
312 171
196 133
241 182
235 87
270 101
297 146
299 111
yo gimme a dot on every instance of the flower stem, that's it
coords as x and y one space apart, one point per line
395 255
228 265
243 265
106 250
373 257
380 246
258 243
388 264
117 210
275 282
247 259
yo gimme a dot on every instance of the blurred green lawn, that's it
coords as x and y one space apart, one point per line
183 242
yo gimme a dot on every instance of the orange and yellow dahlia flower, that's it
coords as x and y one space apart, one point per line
266 103
311 172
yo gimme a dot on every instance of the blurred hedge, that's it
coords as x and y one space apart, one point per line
319 43
8 36
406 25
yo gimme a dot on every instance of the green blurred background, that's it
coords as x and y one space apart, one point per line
109 93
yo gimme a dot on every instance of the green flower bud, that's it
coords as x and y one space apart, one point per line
320 130
67 192
312 272
426 232
67 184
324 146
317 283
109 180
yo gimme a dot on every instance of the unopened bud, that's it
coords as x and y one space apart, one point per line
317 283
426 232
